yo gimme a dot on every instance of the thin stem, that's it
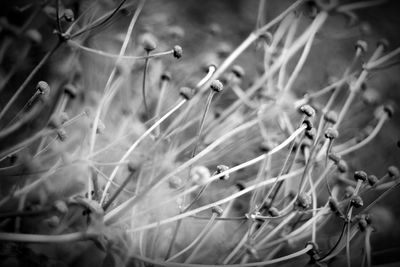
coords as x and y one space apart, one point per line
137 142
43 61
146 107
32 238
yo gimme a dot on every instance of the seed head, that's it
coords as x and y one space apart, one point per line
303 201
362 45
178 52
221 169
331 117
216 86
200 175
342 166
331 133
307 110
69 15
187 93
309 124
384 43
393 172
357 202
389 109
217 210
166 76
149 42
372 180
360 175
311 134
43 87
70 90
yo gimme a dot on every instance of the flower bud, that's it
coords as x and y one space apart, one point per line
149 42
393 172
372 180
221 169
43 88
187 93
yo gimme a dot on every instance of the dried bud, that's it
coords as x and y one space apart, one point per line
311 134
389 109
384 43
342 166
372 180
331 117
393 172
357 202
331 133
62 134
69 15
217 210
303 201
70 90
43 88
186 92
178 52
238 71
166 76
308 124
360 175
362 45
307 110
216 86
221 169
149 42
